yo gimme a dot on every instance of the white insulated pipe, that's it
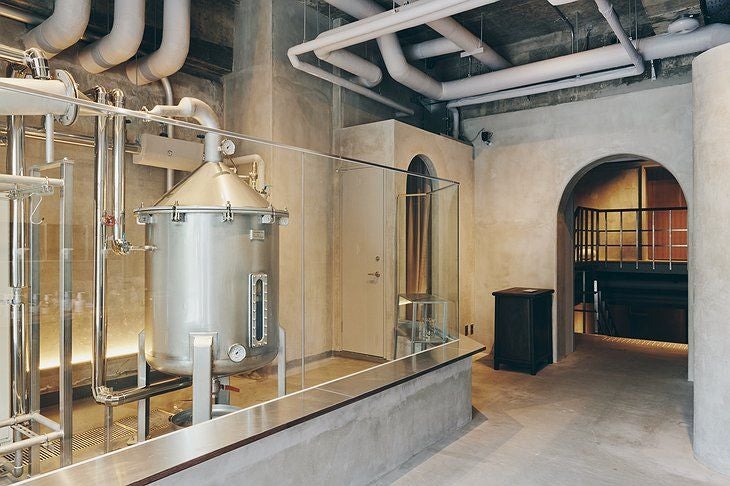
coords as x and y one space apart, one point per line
388 22
62 29
201 113
468 42
390 48
27 104
173 51
366 73
431 48
121 43
581 63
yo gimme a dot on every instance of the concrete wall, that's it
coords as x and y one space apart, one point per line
709 257
538 155
395 144
145 184
388 427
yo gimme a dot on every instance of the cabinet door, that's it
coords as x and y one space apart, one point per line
513 315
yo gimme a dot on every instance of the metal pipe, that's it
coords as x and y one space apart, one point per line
431 48
29 180
169 100
570 26
32 441
119 242
15 156
99 338
70 139
48 126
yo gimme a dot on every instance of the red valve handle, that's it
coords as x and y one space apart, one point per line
231 388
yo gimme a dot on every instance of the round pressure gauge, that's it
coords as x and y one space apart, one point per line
228 147
237 352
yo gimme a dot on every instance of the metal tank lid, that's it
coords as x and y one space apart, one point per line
211 187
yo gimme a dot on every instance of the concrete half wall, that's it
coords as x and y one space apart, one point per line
536 158
353 445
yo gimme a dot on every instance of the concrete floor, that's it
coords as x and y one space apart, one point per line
612 413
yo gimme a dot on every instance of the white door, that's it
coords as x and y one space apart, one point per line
363 299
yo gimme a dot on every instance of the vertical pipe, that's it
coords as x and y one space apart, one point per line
169 100
15 159
119 241
65 370
35 324
202 376
48 125
98 355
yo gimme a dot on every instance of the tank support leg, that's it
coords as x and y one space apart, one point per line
223 396
143 406
281 363
202 377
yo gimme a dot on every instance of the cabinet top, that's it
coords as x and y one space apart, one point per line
523 292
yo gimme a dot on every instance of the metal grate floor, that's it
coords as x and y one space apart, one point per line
123 429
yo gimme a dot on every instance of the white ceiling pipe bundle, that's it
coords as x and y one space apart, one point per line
468 42
122 41
600 59
62 29
366 73
431 48
173 51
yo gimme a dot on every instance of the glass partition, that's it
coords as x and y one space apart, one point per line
349 251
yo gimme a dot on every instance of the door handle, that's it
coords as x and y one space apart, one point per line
374 274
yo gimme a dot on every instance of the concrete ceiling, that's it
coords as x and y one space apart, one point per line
516 27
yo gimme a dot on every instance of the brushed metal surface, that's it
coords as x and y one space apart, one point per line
152 460
197 281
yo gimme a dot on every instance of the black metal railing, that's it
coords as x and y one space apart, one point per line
631 236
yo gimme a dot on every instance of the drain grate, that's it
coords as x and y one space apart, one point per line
123 429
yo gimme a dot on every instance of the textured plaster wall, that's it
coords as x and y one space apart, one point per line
395 144
709 257
520 180
144 184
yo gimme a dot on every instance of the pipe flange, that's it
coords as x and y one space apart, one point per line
72 91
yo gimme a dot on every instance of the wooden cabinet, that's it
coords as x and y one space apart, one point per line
523 330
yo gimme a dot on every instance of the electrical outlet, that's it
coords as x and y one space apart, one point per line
471 328
466 330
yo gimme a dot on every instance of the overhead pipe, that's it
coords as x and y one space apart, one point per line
468 42
25 104
431 48
121 43
390 49
62 29
201 113
170 57
366 73
535 77
371 28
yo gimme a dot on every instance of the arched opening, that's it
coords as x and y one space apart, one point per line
419 226
622 254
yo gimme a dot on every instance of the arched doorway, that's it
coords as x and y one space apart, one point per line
622 253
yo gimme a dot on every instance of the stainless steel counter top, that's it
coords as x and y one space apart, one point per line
157 458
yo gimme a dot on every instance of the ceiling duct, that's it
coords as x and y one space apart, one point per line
62 29
122 41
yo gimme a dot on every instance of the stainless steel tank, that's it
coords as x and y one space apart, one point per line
214 269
